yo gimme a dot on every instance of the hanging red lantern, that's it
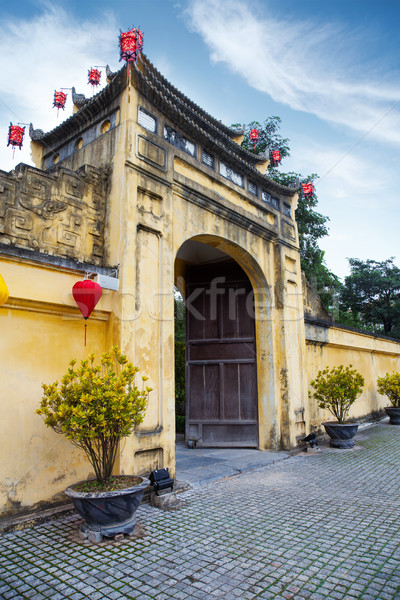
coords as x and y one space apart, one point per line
276 157
308 190
254 136
86 294
130 44
15 136
94 77
59 101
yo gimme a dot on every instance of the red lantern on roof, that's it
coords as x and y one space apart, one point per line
94 77
15 136
254 136
307 190
59 101
276 157
130 44
86 294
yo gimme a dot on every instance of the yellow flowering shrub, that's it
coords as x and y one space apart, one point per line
95 406
336 389
389 386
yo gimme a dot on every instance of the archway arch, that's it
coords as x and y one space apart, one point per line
234 354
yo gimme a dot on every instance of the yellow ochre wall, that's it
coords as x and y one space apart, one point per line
41 330
371 356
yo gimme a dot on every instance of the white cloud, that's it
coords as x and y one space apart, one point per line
48 52
305 65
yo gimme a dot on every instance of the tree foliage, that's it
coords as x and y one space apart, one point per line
312 225
336 389
95 406
389 386
270 138
370 297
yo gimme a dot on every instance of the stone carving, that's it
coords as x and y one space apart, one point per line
35 134
79 100
60 213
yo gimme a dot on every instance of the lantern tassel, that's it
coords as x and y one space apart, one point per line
85 332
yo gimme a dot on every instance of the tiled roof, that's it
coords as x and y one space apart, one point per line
214 135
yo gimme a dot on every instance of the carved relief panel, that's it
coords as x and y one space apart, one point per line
61 213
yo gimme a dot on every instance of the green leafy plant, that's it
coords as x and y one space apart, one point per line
389 386
95 406
336 389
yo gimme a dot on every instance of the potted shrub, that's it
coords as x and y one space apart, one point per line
389 386
336 389
95 406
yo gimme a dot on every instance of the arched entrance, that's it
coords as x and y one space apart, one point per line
221 358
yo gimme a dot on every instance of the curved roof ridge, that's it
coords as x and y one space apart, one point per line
88 111
228 152
200 113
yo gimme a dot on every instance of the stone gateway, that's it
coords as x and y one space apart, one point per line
143 190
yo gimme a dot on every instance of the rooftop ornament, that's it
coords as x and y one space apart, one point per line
86 294
276 157
15 136
254 136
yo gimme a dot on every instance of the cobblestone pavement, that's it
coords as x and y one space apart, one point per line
320 526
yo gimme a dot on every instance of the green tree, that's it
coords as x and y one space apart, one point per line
312 225
95 406
371 296
336 389
270 138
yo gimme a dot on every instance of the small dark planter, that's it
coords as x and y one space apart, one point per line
341 434
393 412
109 513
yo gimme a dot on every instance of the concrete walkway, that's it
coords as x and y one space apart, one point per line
199 466
318 527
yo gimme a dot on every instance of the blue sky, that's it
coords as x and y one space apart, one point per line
329 69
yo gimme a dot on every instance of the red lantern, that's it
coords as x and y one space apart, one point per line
308 190
130 44
86 294
254 136
94 77
276 157
15 136
59 100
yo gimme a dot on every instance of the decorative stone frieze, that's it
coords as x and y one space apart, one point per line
59 213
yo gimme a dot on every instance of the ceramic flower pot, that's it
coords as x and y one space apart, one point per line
109 513
341 434
393 412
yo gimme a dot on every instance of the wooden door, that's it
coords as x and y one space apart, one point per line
221 372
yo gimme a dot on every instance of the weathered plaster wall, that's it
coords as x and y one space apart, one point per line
41 330
331 345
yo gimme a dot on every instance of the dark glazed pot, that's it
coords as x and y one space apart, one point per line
109 513
393 412
341 434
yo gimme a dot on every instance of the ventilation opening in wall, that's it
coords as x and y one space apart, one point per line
105 126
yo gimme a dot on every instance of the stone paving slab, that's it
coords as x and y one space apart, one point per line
319 527
201 466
